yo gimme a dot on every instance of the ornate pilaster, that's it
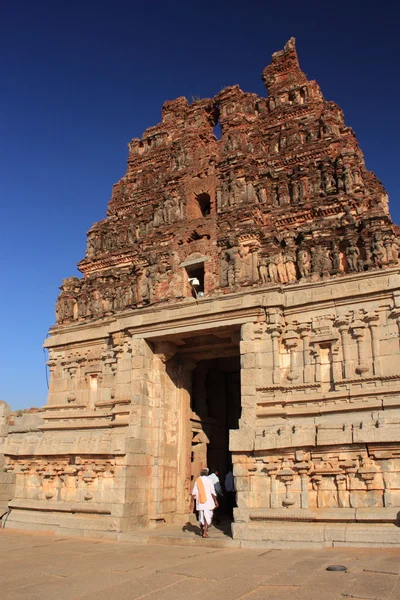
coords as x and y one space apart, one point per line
305 332
358 328
373 323
291 340
342 323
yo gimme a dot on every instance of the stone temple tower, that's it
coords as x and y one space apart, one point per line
239 307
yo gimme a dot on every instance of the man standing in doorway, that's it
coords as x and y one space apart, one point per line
214 477
206 500
230 492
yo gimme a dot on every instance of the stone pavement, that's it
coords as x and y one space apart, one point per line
44 566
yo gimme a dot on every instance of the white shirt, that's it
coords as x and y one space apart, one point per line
209 489
215 479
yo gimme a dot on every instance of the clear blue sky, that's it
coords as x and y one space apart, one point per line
80 78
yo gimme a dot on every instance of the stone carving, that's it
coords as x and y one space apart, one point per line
379 253
290 264
304 262
353 256
148 380
321 262
296 180
263 269
81 478
335 257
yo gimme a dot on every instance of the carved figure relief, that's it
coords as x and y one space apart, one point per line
297 176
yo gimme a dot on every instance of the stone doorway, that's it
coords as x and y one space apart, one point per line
215 410
196 387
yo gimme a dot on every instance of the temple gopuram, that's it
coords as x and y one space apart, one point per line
239 307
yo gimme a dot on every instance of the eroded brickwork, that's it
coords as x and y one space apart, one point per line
283 195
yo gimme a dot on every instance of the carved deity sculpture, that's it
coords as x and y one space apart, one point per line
283 194
83 302
95 303
158 217
303 262
145 287
395 248
172 210
108 299
378 250
335 257
295 191
276 268
321 263
65 308
119 299
281 267
339 174
234 255
352 256
224 270
328 181
263 269
348 180
290 264
93 244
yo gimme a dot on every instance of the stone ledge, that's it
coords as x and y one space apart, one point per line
338 515
65 507
84 425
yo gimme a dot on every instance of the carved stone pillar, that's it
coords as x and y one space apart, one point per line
123 372
303 469
272 469
305 332
315 352
336 363
358 329
290 339
343 325
254 263
350 468
387 493
395 314
373 322
275 331
286 475
71 392
343 496
317 483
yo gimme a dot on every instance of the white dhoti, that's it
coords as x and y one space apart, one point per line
205 508
205 516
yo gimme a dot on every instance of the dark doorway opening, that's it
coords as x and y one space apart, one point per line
216 408
204 201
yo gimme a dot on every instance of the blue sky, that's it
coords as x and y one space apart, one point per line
79 79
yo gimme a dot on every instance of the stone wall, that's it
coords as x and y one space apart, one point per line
276 229
319 435
7 480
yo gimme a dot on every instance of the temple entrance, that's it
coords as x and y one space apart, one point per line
197 386
215 409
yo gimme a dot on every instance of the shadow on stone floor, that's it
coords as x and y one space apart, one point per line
192 528
224 526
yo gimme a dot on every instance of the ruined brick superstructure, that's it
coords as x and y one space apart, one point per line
247 287
284 195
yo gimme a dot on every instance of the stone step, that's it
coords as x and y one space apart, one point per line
168 539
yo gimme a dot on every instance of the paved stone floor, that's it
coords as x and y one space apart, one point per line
43 566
